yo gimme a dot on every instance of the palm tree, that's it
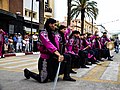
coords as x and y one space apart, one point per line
86 8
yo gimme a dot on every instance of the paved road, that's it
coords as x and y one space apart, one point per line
104 76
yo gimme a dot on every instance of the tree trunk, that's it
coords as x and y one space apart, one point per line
82 20
41 14
69 12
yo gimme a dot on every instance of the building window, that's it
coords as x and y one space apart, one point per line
29 14
26 13
34 15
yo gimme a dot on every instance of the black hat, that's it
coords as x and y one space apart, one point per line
61 27
96 35
76 32
50 20
104 32
89 34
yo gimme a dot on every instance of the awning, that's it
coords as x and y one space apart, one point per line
6 15
29 29
28 24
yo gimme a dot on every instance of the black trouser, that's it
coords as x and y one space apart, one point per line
105 53
97 53
15 43
3 51
77 61
35 46
83 56
48 69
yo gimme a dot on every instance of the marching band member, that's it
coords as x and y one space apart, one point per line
50 56
63 41
93 53
105 51
97 47
2 33
73 48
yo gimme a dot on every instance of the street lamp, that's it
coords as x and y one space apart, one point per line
69 11
31 16
31 22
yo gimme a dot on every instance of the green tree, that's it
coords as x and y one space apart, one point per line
85 8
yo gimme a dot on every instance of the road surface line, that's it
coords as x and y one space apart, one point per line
111 73
97 71
17 66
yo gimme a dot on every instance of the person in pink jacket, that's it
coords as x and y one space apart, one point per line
1 42
50 56
105 51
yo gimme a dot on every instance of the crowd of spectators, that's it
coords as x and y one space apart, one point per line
20 43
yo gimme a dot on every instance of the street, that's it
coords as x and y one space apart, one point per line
104 76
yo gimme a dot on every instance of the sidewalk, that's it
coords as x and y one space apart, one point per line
20 54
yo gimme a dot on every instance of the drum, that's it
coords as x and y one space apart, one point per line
110 45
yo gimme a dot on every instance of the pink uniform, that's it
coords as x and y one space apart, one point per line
1 42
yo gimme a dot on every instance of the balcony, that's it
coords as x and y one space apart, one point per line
48 10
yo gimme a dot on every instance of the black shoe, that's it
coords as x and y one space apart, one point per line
88 63
2 57
101 60
73 72
97 61
26 73
94 62
111 56
84 66
109 59
69 79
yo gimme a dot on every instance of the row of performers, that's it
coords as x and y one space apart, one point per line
72 50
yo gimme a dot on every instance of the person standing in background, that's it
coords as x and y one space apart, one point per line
35 40
116 44
15 41
19 43
26 38
6 43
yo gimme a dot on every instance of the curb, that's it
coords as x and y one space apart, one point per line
20 54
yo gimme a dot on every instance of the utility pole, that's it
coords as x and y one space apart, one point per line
31 16
41 14
31 22
69 12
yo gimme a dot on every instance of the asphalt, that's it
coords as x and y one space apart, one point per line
86 79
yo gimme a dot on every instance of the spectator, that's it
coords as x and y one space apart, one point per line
35 40
19 43
27 43
11 46
116 44
6 43
15 41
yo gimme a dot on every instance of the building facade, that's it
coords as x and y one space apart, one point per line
76 25
22 15
6 17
